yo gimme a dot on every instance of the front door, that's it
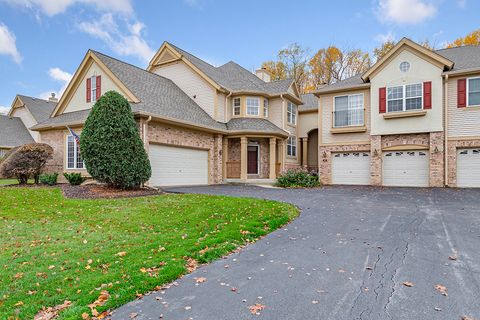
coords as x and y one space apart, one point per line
252 160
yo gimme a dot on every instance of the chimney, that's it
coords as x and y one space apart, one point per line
263 74
52 98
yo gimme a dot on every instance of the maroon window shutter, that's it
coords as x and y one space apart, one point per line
89 90
99 87
427 95
462 93
382 95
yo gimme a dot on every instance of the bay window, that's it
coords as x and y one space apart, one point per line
405 97
291 113
348 111
473 89
74 159
253 106
292 146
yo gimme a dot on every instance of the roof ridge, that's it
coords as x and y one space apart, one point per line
459 47
35 98
178 48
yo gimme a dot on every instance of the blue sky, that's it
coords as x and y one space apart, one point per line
42 42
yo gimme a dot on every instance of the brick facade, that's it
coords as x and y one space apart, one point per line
452 146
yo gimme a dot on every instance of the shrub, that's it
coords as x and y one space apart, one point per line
298 178
75 179
110 144
25 162
49 179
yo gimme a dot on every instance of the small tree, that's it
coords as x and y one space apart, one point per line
26 162
110 144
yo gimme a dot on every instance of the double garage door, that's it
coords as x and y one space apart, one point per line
400 168
468 168
175 166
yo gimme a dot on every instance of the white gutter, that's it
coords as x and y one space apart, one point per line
445 130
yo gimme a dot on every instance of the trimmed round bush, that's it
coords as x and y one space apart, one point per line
298 178
110 144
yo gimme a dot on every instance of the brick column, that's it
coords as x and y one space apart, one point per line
217 159
273 158
243 158
376 160
437 157
324 165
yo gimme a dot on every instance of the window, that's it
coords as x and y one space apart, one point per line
265 108
292 146
405 98
3 152
473 89
236 106
291 113
349 111
405 66
253 106
93 90
74 159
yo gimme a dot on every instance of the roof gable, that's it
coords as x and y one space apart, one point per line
407 44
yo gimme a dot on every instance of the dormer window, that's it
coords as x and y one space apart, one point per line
236 103
253 106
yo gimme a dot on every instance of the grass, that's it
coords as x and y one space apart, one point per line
54 249
4 182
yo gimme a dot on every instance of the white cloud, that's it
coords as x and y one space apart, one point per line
4 110
405 11
8 44
462 3
60 76
54 7
126 43
384 37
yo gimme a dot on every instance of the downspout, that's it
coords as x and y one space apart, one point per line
145 128
226 106
445 130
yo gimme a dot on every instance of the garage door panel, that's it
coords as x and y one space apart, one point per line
178 166
351 168
406 168
468 168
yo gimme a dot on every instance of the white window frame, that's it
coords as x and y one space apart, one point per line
234 107
265 107
76 152
257 106
291 113
468 92
348 105
292 146
93 88
404 97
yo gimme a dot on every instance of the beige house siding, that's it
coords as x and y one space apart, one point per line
327 108
27 120
306 123
420 71
191 83
221 115
462 122
275 112
79 97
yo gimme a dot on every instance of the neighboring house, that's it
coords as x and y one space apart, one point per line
410 120
200 124
24 113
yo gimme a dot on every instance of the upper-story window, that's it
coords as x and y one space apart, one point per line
349 111
236 106
74 159
405 97
94 88
291 113
473 89
405 66
265 108
253 106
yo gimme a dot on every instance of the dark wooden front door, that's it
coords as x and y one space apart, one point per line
252 160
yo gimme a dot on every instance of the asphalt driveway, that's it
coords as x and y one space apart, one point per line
348 256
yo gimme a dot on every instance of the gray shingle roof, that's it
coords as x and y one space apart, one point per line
254 125
466 57
64 119
39 108
234 77
13 132
310 102
352 82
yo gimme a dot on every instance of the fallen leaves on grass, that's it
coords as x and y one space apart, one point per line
191 264
152 272
51 312
256 308
102 298
121 254
407 284
442 289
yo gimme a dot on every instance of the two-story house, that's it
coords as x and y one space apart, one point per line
200 124
410 120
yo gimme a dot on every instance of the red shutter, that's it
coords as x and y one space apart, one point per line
89 90
462 93
427 95
382 97
99 87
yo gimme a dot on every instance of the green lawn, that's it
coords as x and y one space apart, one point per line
4 182
54 249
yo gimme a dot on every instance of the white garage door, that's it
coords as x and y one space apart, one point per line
351 168
405 168
173 166
468 168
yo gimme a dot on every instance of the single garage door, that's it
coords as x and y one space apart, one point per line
351 168
468 168
174 166
405 168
